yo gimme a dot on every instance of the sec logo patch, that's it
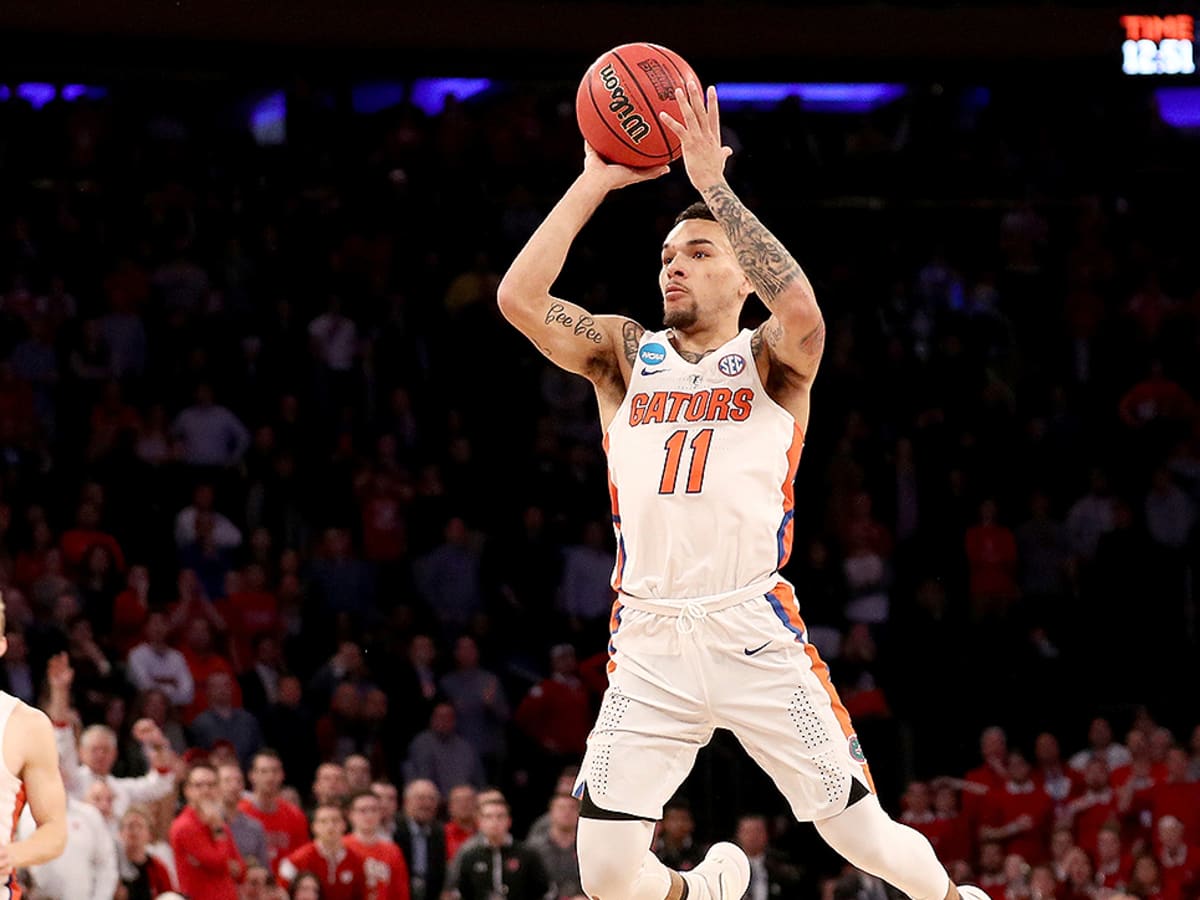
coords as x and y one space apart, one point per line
731 364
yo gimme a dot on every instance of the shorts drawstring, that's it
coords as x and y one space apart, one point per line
689 618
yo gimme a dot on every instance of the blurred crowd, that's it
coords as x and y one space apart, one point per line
281 493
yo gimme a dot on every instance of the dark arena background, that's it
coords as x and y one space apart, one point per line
257 404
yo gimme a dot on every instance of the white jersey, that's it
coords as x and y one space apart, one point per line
701 463
12 791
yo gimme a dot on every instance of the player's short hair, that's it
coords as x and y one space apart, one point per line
2 631
698 210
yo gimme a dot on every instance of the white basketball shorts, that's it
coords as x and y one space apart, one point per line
673 679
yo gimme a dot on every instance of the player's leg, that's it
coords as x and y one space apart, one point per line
781 705
615 863
651 725
870 839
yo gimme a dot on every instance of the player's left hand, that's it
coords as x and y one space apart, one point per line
699 135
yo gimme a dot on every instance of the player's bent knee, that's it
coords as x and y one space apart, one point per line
611 856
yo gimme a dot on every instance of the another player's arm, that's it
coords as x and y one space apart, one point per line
43 789
567 334
795 332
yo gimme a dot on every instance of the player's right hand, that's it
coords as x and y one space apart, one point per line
614 176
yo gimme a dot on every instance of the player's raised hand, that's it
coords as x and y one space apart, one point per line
613 176
699 135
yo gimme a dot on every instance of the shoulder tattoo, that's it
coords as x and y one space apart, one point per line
631 336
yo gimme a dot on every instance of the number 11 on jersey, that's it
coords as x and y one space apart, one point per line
675 446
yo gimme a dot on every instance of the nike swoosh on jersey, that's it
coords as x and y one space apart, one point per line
654 371
749 652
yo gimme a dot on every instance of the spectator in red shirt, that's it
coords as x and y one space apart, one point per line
249 610
1112 864
1062 842
992 560
1178 863
556 712
1176 796
462 809
284 823
1145 881
1018 814
385 866
203 661
1051 775
991 868
1134 783
1042 883
1094 808
955 834
340 868
989 775
130 609
76 541
1100 745
206 859
1080 883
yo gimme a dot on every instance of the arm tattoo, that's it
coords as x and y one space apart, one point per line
769 333
813 343
766 262
631 334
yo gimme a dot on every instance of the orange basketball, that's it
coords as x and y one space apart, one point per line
620 98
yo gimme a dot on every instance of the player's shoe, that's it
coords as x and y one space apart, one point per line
970 892
724 874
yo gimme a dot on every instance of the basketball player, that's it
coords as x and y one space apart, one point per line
703 429
28 774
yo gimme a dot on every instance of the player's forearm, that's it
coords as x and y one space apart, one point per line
777 278
540 261
45 844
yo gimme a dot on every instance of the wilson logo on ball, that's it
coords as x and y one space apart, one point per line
620 104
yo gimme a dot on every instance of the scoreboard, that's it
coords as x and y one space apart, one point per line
1158 45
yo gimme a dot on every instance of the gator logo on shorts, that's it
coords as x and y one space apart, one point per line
856 751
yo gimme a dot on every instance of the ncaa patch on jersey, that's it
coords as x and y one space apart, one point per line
856 751
731 364
652 354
